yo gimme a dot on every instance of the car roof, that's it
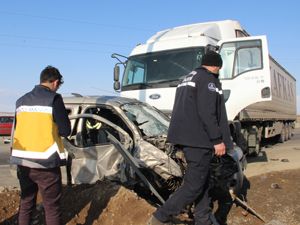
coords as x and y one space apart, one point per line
7 114
99 100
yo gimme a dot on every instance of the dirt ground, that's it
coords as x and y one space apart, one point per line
277 200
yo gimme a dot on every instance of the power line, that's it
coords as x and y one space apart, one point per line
53 48
60 40
75 21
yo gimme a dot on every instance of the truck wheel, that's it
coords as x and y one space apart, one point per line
240 137
289 129
245 133
254 151
281 137
257 148
286 130
253 141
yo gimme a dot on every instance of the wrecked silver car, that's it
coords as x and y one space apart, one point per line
124 140
138 127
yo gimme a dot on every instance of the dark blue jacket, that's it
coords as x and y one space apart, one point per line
199 116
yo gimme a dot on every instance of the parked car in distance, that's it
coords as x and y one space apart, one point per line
6 123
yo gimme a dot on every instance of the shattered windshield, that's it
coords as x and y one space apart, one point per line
150 121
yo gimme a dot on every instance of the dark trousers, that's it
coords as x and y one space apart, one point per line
224 200
48 182
194 188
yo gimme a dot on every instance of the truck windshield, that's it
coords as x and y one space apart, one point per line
149 121
160 69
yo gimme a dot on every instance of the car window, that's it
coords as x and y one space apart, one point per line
6 119
91 132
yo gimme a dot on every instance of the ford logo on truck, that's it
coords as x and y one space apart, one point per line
154 96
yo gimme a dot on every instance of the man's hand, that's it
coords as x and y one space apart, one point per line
219 149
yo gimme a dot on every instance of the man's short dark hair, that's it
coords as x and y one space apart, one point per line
50 74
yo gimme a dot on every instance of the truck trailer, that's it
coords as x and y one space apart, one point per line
260 94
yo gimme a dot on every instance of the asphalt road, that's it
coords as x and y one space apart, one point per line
273 157
276 157
4 152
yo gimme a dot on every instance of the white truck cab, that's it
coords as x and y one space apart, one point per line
260 94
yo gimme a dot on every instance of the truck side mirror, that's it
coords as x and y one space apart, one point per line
116 73
117 85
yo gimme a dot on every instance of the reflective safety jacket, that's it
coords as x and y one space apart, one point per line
36 140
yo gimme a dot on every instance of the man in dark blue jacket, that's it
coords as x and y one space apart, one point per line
199 126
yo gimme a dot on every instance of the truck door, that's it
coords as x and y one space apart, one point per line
245 74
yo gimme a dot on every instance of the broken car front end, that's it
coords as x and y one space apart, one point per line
136 128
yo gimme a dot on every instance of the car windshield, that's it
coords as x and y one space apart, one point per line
150 121
6 119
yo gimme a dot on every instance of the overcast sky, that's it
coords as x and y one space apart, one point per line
79 37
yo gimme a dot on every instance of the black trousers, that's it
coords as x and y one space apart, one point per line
224 200
194 188
48 182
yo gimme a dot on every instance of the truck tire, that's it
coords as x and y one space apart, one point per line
286 132
239 136
257 148
281 137
254 150
244 133
289 130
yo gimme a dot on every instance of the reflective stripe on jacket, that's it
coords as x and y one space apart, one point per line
36 142
199 117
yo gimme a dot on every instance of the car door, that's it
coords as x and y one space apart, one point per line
6 123
92 156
